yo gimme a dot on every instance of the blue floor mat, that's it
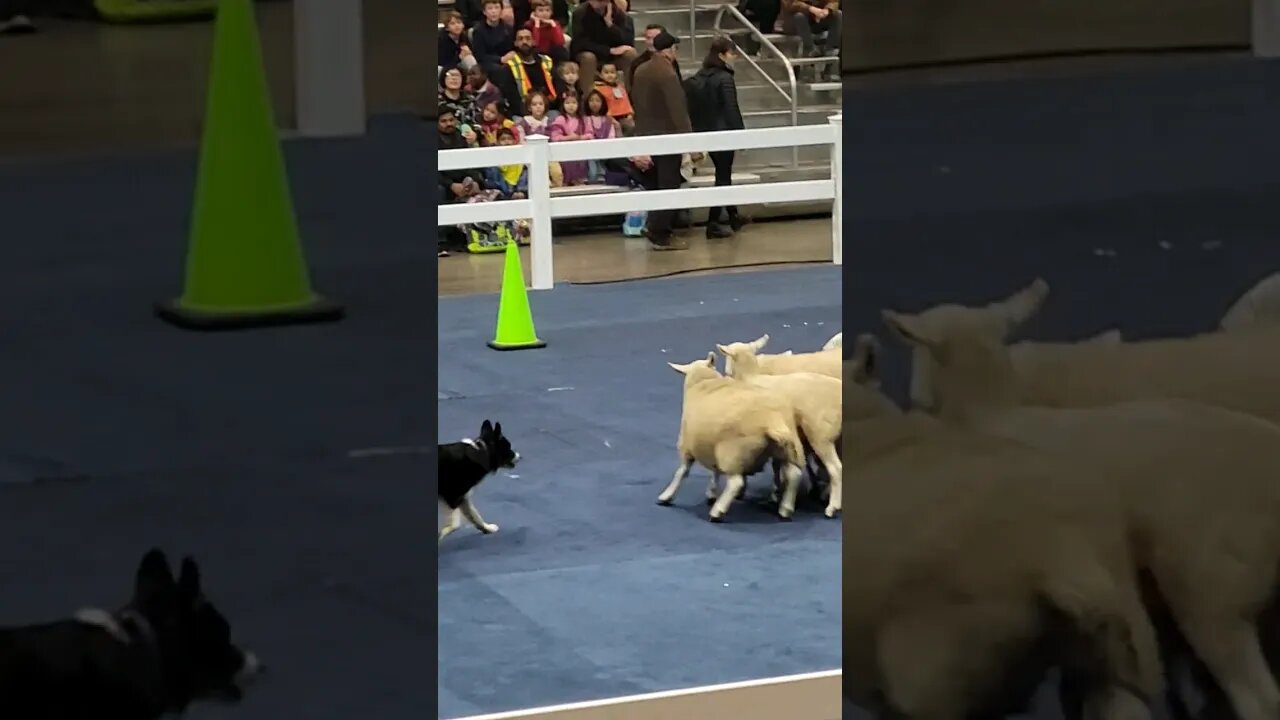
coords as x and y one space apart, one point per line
590 589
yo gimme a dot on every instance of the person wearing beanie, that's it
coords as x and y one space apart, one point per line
657 94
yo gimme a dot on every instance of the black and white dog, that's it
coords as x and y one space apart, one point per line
463 466
166 649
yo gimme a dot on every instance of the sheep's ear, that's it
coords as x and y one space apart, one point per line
1024 304
908 327
711 359
759 343
866 359
723 350
682 369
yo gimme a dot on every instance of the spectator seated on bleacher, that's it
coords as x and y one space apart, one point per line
597 125
812 18
599 33
484 92
618 102
511 182
567 74
548 34
568 126
491 122
529 70
454 94
454 46
492 41
536 119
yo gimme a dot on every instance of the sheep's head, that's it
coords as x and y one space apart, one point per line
732 349
698 370
993 321
739 359
958 361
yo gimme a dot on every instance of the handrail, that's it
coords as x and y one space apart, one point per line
793 98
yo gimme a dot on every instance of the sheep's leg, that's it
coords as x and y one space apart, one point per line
713 487
793 475
777 480
835 471
732 485
674 486
1229 648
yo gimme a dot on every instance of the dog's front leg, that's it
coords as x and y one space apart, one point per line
473 515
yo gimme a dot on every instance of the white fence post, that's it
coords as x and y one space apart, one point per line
542 272
837 191
1266 28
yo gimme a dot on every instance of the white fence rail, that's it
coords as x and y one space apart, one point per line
538 152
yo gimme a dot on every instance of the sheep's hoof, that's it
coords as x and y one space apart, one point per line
665 502
831 512
784 518
716 518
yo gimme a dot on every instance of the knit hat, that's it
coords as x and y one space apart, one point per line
664 41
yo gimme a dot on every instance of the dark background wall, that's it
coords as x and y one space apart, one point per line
883 34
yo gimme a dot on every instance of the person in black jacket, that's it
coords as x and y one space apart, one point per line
716 108
453 185
599 34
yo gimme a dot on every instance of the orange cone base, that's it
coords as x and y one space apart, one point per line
318 310
516 346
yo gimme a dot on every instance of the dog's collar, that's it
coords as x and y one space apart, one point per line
477 444
125 625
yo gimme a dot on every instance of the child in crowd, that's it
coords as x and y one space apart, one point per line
483 91
492 40
492 121
615 96
455 47
568 76
566 127
597 125
536 120
510 181
548 36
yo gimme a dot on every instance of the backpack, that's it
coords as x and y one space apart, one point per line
695 94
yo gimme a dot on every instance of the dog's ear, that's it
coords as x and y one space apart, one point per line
189 580
486 429
497 429
154 579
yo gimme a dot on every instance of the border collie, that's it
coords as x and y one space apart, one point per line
463 466
166 649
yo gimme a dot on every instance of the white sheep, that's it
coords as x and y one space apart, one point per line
836 341
1197 484
817 403
734 428
1259 304
1239 370
955 543
824 362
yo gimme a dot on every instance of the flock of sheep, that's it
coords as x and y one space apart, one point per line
1108 508
776 409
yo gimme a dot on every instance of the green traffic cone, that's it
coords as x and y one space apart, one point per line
515 320
245 266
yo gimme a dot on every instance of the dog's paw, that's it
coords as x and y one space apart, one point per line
489 529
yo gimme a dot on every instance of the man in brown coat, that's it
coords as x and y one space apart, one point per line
657 94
